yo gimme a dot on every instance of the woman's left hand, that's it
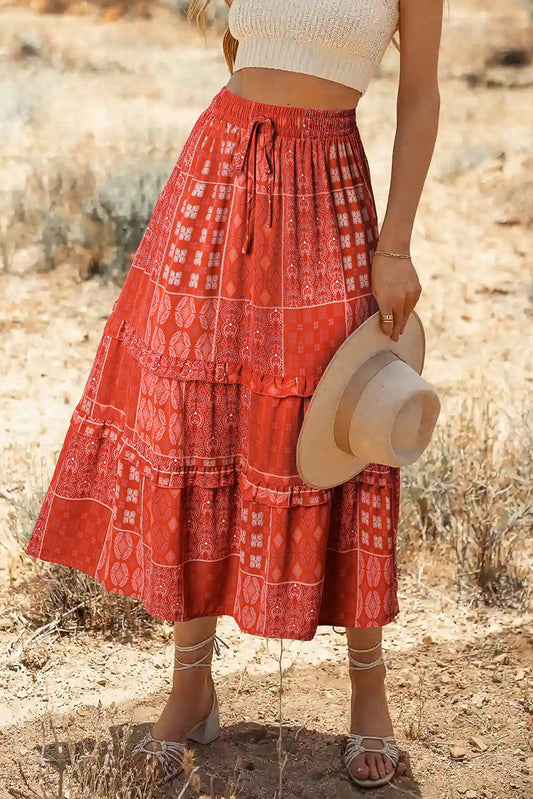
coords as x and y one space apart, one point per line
396 287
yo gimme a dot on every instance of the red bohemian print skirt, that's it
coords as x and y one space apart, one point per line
177 480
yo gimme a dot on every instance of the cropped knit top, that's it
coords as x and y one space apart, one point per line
342 40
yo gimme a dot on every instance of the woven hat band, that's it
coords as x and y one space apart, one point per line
351 394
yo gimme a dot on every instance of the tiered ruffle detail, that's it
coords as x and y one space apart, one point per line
213 371
177 482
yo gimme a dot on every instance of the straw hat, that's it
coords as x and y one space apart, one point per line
371 405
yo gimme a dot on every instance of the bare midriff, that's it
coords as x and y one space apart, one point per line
282 87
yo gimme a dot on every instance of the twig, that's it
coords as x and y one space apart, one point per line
279 744
47 628
187 783
15 792
242 672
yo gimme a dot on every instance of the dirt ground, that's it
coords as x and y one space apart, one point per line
458 676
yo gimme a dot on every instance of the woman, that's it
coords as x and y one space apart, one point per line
177 481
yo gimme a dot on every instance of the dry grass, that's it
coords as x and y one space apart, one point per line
54 599
107 10
111 10
469 497
94 223
415 729
98 768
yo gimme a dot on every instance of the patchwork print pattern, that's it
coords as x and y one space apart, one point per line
177 481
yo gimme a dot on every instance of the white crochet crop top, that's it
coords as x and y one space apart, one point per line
342 40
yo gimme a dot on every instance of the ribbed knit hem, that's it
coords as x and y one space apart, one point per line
300 56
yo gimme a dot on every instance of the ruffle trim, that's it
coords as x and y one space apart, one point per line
213 371
213 473
201 472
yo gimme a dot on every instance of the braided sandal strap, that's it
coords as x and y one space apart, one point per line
168 753
354 747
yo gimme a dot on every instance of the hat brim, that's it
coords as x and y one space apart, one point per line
320 462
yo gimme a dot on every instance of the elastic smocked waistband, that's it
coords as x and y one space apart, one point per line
288 120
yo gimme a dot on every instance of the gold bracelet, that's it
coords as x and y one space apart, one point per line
394 254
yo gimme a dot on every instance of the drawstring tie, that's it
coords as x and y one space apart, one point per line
240 162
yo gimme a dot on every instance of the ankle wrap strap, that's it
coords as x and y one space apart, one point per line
357 664
191 647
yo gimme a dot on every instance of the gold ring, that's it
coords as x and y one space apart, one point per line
387 317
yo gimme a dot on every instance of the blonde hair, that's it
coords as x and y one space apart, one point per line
229 43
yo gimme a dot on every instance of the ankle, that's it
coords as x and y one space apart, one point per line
191 680
368 678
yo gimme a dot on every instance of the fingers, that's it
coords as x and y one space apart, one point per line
393 328
411 299
408 307
385 324
399 313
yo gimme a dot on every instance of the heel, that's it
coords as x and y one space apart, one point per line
208 729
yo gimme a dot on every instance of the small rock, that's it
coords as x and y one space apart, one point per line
520 675
457 751
101 681
478 742
470 794
503 658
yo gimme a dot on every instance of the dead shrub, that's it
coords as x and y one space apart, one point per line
59 599
71 215
470 495
107 10
99 766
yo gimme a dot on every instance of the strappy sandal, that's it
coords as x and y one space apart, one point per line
170 753
354 741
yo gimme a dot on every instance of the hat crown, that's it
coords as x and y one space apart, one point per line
387 411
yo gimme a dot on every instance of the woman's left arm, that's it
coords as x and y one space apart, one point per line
395 282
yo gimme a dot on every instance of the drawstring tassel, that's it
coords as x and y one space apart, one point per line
240 162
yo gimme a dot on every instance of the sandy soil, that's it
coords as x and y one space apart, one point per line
458 675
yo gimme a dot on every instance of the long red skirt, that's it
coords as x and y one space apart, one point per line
177 480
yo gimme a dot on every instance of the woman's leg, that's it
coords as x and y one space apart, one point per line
369 710
191 695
